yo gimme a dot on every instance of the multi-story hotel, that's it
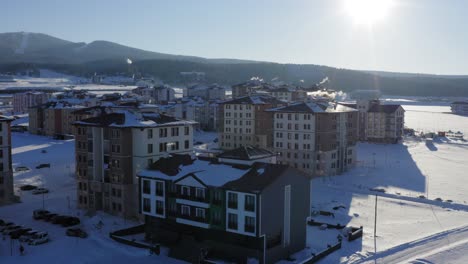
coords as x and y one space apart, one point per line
246 123
316 137
112 147
385 123
205 209
6 171
23 101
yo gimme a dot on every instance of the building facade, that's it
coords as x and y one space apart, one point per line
459 108
112 147
316 137
23 101
245 122
201 214
385 123
6 170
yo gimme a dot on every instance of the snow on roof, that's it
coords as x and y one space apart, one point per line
210 174
313 107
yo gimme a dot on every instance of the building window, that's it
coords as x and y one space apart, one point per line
232 200
216 217
185 210
250 203
150 133
160 207
187 144
163 132
150 148
150 162
159 188
186 131
200 193
200 213
249 224
146 187
217 197
185 191
232 221
146 205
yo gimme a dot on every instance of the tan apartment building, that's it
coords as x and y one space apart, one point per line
385 123
316 137
52 118
110 148
23 101
6 170
246 123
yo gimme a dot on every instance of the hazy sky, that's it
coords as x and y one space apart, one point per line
425 36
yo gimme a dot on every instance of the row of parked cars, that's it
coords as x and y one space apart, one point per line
23 234
63 220
34 189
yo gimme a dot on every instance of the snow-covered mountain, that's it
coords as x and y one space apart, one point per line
42 48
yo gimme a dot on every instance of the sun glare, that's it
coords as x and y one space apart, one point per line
368 11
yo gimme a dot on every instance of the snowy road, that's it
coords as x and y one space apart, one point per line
416 251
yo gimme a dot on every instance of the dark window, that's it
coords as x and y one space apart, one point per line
186 130
187 144
249 224
150 133
146 187
159 188
232 221
150 148
232 200
185 210
250 203
146 205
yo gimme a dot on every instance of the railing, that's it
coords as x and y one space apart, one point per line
232 205
193 218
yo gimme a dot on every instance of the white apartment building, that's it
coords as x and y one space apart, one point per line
385 123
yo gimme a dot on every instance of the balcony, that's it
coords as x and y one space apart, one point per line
218 202
191 197
193 218
250 207
232 225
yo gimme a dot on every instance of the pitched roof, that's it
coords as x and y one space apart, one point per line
126 118
246 153
313 107
257 178
378 108
254 99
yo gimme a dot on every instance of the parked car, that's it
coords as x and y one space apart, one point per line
40 191
28 187
17 233
39 213
43 165
48 217
38 238
76 232
21 168
70 221
10 229
59 219
26 236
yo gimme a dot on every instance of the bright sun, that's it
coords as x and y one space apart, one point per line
368 11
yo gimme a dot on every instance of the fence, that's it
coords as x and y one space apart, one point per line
355 233
322 254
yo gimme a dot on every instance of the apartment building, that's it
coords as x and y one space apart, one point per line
245 122
459 107
52 118
160 94
316 137
23 101
288 94
111 147
206 92
204 209
6 170
385 123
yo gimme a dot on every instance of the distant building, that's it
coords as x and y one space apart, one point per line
161 94
246 123
459 108
23 101
111 147
385 123
52 118
212 92
316 137
6 170
230 212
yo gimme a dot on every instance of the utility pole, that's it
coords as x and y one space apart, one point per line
375 225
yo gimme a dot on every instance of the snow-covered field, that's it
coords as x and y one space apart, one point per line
409 229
